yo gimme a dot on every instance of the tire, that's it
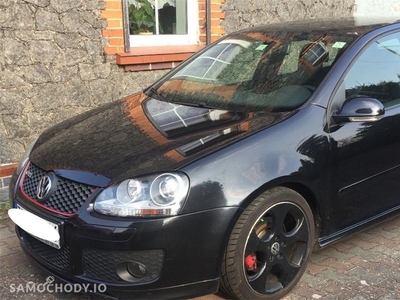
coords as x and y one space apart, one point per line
269 246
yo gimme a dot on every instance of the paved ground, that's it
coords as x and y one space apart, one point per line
365 266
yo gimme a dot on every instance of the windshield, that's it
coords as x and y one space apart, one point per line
253 70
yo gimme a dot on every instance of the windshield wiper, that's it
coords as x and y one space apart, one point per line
153 91
194 104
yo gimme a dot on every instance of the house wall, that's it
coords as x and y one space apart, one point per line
56 56
53 66
241 14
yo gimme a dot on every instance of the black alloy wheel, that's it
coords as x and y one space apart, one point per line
269 246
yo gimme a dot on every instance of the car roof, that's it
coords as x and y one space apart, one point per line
356 25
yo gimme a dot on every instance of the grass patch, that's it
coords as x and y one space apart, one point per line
4 207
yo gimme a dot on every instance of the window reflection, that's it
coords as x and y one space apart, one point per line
173 119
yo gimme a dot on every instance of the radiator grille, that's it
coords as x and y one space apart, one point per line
68 197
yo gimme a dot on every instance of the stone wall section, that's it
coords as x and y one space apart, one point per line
53 66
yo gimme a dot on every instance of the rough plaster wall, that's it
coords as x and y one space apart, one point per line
52 67
241 14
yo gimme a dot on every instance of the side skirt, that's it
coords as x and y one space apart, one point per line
353 229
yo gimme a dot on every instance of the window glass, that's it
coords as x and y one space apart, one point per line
162 22
157 17
257 70
376 72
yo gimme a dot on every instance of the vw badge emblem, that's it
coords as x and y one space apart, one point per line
275 248
43 187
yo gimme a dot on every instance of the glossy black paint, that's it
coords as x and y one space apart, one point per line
269 163
229 162
136 146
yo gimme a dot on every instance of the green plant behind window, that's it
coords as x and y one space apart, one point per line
141 17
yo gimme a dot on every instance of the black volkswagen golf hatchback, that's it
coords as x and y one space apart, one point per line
227 172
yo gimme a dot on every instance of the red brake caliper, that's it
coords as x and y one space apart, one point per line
251 262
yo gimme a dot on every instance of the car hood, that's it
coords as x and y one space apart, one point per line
139 135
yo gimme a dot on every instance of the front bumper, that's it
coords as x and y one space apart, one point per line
181 256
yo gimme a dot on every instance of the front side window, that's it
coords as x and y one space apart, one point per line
376 72
275 71
163 22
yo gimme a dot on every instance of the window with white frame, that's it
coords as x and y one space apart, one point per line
163 22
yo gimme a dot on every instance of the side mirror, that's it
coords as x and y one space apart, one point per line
360 109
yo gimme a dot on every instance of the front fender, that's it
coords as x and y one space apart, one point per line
295 151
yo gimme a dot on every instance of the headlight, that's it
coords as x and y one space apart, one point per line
25 157
158 195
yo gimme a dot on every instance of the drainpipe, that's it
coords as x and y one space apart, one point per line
208 22
125 20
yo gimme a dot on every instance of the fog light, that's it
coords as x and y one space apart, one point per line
136 270
131 271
